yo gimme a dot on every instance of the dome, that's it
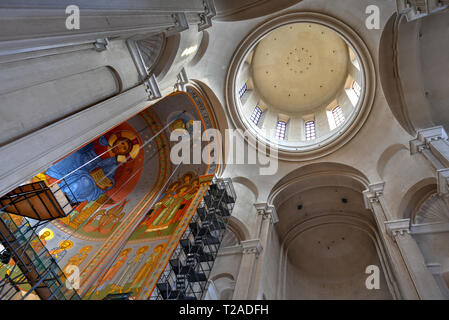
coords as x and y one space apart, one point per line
299 67
299 86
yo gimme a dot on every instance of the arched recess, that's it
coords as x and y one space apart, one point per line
428 212
415 196
249 184
239 229
327 236
413 70
224 285
236 10
386 156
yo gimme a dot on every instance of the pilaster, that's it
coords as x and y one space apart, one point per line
402 286
423 279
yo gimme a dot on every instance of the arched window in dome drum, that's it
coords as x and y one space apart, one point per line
310 130
280 130
338 115
255 116
242 90
356 88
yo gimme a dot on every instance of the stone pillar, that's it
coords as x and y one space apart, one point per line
251 251
402 286
423 279
266 216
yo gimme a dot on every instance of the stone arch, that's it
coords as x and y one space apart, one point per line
316 170
386 156
238 228
322 214
249 184
415 196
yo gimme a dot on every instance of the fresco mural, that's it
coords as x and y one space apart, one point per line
103 167
164 217
127 215
135 264
142 258
103 190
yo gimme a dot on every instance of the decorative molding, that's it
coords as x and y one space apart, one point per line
228 251
180 22
253 246
425 136
398 227
434 210
207 15
428 228
373 194
101 44
152 88
268 211
417 9
146 53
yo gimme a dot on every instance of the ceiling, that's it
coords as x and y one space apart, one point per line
299 67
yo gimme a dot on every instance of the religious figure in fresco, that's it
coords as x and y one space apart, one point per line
62 248
104 221
171 207
84 211
77 259
112 271
181 120
18 220
147 268
39 243
90 171
131 266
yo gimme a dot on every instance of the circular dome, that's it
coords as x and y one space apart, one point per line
302 82
300 67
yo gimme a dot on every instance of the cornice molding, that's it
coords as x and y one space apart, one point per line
373 194
398 227
268 211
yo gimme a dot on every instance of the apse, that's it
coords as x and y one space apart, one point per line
328 237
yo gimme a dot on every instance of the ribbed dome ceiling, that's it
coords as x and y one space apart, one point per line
299 67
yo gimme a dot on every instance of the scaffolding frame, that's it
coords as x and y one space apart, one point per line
187 273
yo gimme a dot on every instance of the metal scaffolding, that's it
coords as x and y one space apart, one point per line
28 269
187 273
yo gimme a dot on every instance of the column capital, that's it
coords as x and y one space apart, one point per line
253 246
268 211
425 136
373 193
398 227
